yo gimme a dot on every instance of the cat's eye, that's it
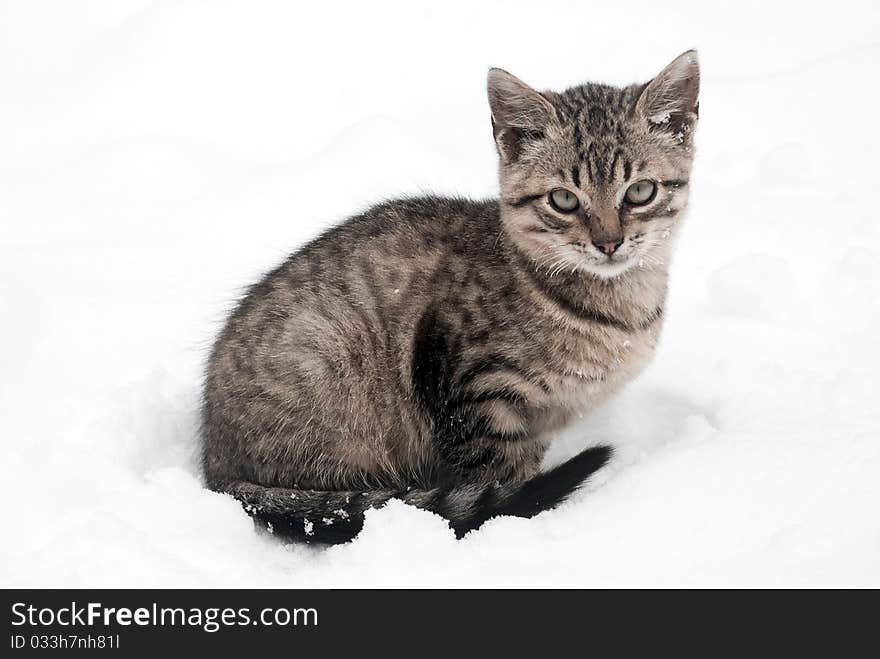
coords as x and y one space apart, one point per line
564 201
640 192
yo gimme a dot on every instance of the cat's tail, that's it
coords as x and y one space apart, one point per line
332 517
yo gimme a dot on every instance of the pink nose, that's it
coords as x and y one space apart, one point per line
608 248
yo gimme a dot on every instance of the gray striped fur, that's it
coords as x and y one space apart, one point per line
429 347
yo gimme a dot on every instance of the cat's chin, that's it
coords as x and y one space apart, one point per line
609 269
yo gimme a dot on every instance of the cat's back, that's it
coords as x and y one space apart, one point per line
406 228
383 255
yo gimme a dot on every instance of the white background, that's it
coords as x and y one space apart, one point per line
156 157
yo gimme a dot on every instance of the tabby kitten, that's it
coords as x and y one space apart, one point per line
428 348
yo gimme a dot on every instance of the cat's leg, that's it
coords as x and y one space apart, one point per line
487 440
481 405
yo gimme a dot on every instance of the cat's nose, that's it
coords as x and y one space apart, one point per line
609 247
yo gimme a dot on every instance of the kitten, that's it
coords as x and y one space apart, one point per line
428 348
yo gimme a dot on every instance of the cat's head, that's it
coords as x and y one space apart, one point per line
594 178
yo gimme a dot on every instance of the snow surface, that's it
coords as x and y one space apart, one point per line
158 156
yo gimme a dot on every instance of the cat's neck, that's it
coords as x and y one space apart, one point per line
632 298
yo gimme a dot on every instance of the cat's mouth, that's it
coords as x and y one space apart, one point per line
603 265
611 266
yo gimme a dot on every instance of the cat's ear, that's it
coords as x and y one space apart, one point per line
519 113
669 102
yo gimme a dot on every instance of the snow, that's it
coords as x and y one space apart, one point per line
158 156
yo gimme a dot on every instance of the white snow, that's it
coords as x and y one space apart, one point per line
158 156
661 118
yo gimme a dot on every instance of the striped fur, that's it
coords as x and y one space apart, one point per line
429 348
